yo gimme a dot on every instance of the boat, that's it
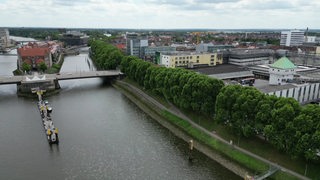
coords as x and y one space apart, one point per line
51 131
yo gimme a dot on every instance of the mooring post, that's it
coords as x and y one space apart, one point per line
190 149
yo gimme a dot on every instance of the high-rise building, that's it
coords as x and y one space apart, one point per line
292 38
136 44
4 38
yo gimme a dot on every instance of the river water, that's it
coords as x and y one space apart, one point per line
102 136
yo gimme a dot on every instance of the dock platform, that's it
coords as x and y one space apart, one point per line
45 111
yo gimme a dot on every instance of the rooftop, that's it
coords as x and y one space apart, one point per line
36 51
283 63
221 69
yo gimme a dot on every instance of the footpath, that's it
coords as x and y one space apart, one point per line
178 113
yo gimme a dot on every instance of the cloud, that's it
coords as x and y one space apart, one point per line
69 2
161 13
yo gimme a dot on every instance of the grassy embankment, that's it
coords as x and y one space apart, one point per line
260 147
254 145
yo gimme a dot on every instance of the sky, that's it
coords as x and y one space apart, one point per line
162 14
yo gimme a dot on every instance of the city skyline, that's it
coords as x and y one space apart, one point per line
161 14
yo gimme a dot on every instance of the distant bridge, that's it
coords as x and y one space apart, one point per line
7 54
59 76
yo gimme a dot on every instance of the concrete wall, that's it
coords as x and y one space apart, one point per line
303 94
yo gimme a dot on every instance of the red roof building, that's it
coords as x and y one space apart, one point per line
33 55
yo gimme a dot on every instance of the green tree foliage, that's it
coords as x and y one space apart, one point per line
307 132
42 66
105 56
26 67
186 89
37 33
283 122
237 107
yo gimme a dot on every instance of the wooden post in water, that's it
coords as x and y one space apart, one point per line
190 149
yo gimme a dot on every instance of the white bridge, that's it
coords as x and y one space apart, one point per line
59 76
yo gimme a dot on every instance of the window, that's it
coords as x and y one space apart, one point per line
187 57
176 58
190 57
180 57
179 61
176 62
197 57
184 62
197 61
184 58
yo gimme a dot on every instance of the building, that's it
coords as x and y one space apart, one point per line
247 57
281 72
33 54
310 39
318 51
74 38
136 44
190 59
150 51
4 39
292 38
210 47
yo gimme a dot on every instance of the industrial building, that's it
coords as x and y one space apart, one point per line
247 57
292 38
74 38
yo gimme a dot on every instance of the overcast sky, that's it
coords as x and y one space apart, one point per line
163 14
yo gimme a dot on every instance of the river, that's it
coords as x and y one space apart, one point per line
102 136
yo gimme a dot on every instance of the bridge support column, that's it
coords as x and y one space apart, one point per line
56 84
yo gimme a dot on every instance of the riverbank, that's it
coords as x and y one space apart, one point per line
155 111
247 161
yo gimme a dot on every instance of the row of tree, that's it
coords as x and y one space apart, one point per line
282 121
105 56
186 89
247 111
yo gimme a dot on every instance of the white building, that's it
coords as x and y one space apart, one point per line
292 38
310 39
281 71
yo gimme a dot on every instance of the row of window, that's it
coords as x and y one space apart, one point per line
286 70
186 57
184 62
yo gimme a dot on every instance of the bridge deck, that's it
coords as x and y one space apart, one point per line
61 76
